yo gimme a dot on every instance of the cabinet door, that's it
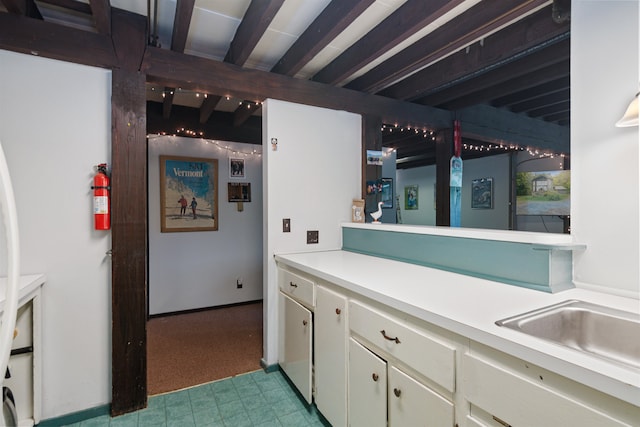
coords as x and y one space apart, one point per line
367 387
413 404
296 332
330 357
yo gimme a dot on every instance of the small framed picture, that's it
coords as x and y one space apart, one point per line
357 210
236 168
482 193
387 192
239 191
411 197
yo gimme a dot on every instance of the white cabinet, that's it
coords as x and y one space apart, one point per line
296 302
413 404
295 345
412 358
506 391
381 394
26 359
330 355
367 387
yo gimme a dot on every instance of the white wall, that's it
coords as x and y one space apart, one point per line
496 167
189 270
604 78
311 178
425 178
55 125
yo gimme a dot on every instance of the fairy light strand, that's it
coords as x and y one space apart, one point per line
220 145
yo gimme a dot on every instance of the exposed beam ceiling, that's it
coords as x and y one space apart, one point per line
412 63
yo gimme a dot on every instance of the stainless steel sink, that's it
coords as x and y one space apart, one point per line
602 331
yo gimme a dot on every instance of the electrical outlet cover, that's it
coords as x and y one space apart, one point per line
312 236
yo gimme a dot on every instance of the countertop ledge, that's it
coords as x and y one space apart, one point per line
538 240
469 306
27 284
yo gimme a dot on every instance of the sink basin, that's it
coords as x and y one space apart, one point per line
601 331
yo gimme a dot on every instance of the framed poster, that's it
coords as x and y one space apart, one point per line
411 197
387 193
188 194
482 193
236 168
239 191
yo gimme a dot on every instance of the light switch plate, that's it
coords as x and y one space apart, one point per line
286 225
312 236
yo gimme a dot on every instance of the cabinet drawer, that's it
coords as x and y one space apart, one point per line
24 327
298 287
520 401
427 355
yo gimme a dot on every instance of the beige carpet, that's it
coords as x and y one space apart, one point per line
184 350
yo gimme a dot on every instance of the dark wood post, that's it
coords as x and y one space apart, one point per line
129 242
371 140
444 151
129 216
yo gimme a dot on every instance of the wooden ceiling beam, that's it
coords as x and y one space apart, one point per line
41 38
129 35
537 102
167 101
559 107
514 41
23 7
208 106
244 111
488 88
523 95
408 19
334 18
473 24
205 75
101 11
493 125
219 126
453 96
181 24
73 5
255 22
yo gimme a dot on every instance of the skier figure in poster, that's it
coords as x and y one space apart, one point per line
183 205
193 207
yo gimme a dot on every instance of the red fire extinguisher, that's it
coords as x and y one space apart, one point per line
101 202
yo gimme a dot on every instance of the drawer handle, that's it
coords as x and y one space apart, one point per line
375 376
397 392
304 322
386 337
293 285
338 311
504 423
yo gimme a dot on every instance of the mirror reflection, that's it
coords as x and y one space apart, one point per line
505 185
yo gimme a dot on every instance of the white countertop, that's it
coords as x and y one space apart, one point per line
27 285
469 306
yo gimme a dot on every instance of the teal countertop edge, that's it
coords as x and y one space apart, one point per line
537 265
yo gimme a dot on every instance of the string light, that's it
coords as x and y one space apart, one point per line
220 145
426 133
532 151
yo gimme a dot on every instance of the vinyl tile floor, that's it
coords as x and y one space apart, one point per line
252 399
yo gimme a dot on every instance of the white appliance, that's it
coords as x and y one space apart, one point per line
8 320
